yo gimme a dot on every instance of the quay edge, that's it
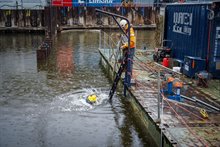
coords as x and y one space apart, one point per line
67 28
147 122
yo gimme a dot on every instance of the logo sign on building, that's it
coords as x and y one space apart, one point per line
78 3
182 23
88 3
101 3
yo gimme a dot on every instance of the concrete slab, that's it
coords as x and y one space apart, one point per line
182 122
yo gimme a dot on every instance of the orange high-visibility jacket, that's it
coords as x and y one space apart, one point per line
132 40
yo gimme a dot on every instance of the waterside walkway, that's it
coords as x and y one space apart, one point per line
181 122
22 29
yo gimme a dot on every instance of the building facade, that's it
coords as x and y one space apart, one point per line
33 13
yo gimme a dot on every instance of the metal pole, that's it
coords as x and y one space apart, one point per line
161 123
115 15
200 101
127 82
100 39
158 97
51 18
22 5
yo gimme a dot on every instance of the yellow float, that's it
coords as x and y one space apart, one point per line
91 99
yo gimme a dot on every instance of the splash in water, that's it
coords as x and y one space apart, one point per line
76 100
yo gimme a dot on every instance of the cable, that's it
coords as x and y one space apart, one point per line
184 122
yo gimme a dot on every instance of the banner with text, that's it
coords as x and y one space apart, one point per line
87 3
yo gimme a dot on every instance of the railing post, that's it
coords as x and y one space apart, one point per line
161 125
129 69
159 96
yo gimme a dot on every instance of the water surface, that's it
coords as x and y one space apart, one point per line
43 103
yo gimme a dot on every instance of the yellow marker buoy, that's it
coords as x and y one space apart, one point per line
91 99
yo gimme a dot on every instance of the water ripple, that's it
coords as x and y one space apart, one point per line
76 100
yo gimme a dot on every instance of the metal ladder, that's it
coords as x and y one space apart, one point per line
117 78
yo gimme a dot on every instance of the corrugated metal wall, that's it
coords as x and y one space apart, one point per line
214 50
187 27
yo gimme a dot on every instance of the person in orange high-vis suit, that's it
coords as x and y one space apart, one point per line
124 25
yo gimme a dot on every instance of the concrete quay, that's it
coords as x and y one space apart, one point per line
181 123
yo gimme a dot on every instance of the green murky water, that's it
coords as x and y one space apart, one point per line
42 103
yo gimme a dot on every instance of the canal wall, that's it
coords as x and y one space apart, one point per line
22 18
75 17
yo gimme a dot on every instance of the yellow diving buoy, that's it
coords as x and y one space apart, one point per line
91 99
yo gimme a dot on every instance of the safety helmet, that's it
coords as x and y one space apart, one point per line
123 23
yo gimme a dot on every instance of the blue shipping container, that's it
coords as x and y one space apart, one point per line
194 29
214 50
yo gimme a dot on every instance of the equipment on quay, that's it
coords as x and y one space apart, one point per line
202 78
163 52
195 100
204 113
192 65
165 62
176 95
173 83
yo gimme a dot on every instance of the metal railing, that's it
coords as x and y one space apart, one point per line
127 81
